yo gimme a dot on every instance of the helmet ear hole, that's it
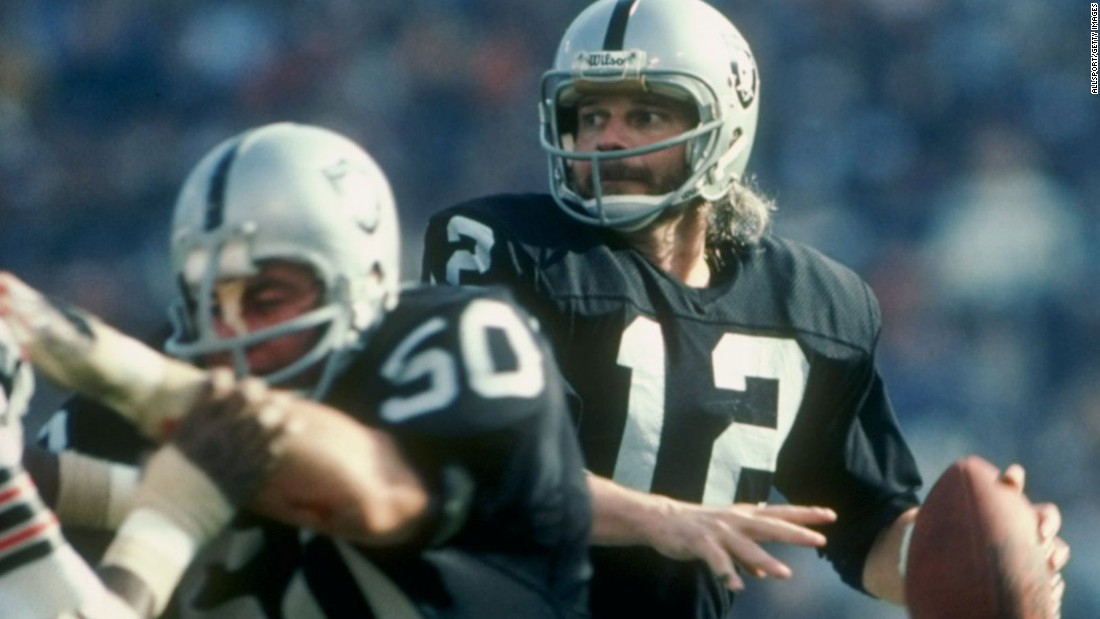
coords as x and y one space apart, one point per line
376 276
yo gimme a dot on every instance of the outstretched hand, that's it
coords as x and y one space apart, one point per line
727 538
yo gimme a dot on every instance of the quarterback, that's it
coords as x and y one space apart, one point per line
713 361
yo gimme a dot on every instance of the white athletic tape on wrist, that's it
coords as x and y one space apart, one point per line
903 551
174 486
154 548
124 481
94 493
176 510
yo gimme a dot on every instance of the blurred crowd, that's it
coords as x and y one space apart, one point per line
947 151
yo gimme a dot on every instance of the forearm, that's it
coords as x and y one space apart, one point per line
341 478
724 537
177 509
622 516
881 575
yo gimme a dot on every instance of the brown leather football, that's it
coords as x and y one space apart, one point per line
975 551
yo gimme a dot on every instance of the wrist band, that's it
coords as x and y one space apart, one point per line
172 485
903 551
176 510
154 548
93 493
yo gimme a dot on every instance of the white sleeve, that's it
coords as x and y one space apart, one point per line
55 585
41 576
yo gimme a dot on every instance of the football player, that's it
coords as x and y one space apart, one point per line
714 361
466 495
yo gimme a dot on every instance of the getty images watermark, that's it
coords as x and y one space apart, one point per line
1094 44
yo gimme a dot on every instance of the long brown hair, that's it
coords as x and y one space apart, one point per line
739 220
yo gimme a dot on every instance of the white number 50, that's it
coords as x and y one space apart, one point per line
526 379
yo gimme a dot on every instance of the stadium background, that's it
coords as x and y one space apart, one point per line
947 151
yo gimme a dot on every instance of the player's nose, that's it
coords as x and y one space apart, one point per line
614 135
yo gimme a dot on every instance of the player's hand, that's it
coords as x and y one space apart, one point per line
235 433
727 538
1049 519
16 387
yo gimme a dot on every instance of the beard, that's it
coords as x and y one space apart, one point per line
619 171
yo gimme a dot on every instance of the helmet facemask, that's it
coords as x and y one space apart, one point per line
592 205
214 296
683 50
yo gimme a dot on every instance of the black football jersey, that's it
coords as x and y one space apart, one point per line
474 400
765 379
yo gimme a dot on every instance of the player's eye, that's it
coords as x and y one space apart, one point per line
649 118
590 119
265 302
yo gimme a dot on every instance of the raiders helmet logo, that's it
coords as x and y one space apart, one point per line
353 183
745 79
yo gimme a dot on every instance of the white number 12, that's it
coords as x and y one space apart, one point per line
735 358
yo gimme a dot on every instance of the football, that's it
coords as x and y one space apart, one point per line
975 552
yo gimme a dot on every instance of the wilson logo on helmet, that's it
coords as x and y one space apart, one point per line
610 65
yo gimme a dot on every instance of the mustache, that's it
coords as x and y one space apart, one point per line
621 171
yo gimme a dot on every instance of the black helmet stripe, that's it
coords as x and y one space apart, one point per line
616 29
215 194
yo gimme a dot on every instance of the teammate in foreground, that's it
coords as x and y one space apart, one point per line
713 360
458 491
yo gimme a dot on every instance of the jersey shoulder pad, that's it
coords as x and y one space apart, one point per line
419 303
503 238
531 219
823 296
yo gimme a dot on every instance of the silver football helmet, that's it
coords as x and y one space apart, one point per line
684 49
291 192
